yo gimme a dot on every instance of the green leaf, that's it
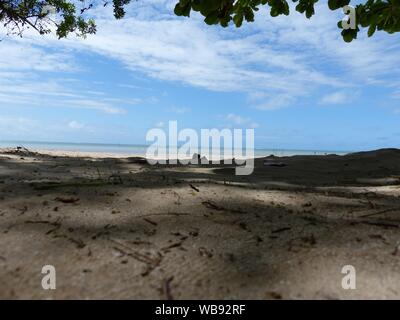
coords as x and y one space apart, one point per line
371 30
238 19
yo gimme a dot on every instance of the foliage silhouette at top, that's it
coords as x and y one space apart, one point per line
73 16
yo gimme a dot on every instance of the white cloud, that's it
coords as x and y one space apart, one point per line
335 98
276 102
94 105
396 94
24 55
28 77
282 59
237 119
241 121
185 50
275 61
16 125
179 110
28 92
76 125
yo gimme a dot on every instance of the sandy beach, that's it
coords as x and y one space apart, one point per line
118 228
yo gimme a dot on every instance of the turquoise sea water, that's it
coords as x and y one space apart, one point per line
140 150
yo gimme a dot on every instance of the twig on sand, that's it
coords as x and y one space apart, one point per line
381 224
66 200
150 221
194 188
379 212
71 184
23 210
211 205
55 223
78 242
38 221
281 230
174 245
166 288
164 214
151 262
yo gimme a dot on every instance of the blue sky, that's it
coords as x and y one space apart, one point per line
293 80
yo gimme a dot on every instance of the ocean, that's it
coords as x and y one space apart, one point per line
140 150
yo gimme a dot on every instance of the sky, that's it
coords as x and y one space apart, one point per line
294 80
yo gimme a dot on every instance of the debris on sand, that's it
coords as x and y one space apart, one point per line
273 163
21 151
381 224
281 230
78 242
66 200
258 239
212 205
396 251
166 288
151 261
194 188
194 233
150 221
174 245
379 212
43 222
204 252
243 225
115 179
57 225
309 240
274 295
23 210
